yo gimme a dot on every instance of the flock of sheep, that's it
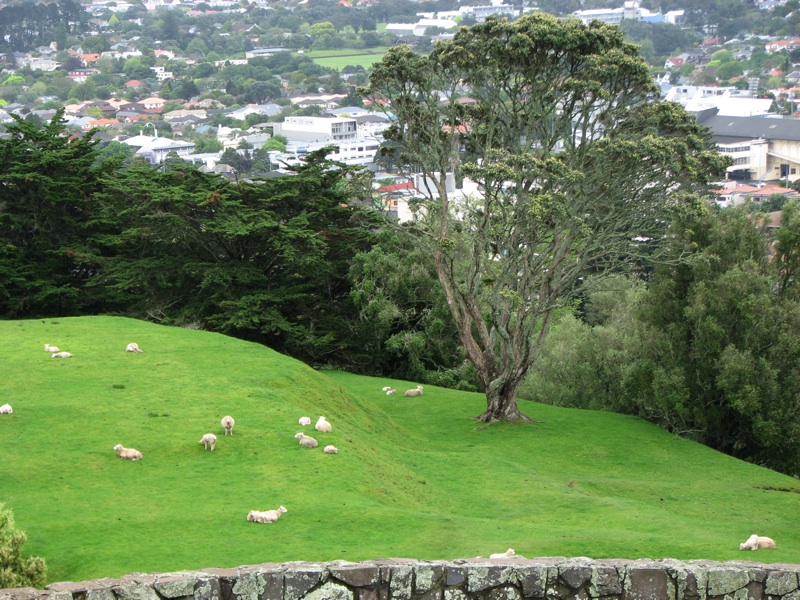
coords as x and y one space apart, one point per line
209 441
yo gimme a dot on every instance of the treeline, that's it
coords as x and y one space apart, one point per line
706 344
267 261
26 25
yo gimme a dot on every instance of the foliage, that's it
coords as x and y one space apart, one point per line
708 351
557 106
412 478
48 181
16 571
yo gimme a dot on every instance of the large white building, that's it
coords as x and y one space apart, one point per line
317 129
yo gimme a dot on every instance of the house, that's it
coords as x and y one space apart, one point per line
736 193
156 149
317 129
761 148
153 104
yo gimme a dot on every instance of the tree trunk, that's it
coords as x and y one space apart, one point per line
501 405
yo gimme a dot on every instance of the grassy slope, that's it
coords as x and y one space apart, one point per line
415 477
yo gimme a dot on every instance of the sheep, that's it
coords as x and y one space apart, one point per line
266 516
207 440
386 388
331 450
390 391
305 421
323 426
507 554
6 409
133 347
61 355
754 542
129 453
414 392
306 441
227 423
49 348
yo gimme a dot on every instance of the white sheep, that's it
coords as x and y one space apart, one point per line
129 453
207 440
386 388
323 426
507 554
306 441
49 348
754 542
389 392
415 392
133 347
305 421
331 450
61 355
266 516
227 423
6 409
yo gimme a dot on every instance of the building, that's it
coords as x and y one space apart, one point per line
761 148
317 129
156 149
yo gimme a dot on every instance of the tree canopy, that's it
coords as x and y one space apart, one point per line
581 170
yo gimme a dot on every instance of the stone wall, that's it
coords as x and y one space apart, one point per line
473 579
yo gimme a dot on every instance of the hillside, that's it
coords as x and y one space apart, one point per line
414 477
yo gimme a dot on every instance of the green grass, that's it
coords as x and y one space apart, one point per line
414 477
339 59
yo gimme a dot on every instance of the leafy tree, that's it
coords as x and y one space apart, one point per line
558 105
16 571
48 180
276 142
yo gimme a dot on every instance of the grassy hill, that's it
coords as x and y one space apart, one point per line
414 477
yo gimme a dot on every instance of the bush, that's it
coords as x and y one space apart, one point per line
16 571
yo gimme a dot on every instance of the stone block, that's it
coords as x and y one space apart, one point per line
482 578
455 575
207 589
357 576
297 582
134 592
644 583
427 576
400 579
575 577
533 579
330 590
175 586
726 580
604 581
780 583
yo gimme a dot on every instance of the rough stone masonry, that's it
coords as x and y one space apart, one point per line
463 579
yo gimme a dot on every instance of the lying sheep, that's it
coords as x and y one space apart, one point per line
207 440
323 426
507 554
386 388
754 542
266 516
415 392
306 441
305 421
227 423
390 391
133 347
6 409
49 348
331 450
129 453
61 355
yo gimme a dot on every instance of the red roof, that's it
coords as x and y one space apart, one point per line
133 83
396 187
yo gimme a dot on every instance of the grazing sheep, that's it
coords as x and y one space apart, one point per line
207 440
133 347
305 421
389 392
227 423
323 426
49 348
61 355
386 388
414 392
507 554
266 516
754 542
331 450
306 441
129 453
6 409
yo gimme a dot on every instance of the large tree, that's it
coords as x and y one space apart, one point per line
580 169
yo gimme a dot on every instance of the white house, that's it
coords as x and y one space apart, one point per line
156 149
317 129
